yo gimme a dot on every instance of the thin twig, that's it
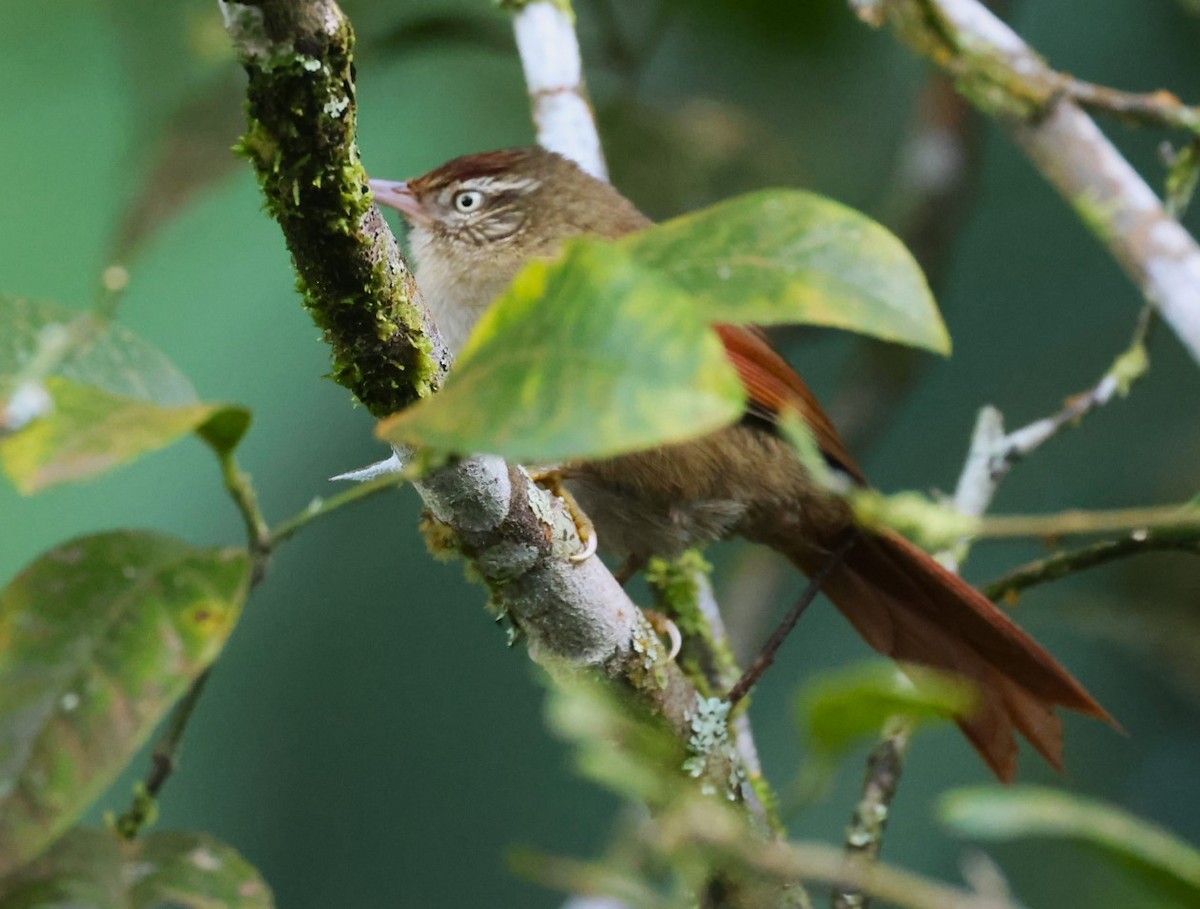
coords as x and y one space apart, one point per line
812 862
164 760
1185 517
1061 564
864 836
993 453
241 490
1160 108
319 508
769 651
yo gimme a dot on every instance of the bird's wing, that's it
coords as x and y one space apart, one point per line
773 386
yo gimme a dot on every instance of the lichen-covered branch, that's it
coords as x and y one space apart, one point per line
300 137
1002 76
864 836
562 113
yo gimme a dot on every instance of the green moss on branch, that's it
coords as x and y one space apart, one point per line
300 138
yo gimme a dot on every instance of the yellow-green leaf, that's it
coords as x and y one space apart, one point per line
98 637
40 339
787 256
588 356
86 430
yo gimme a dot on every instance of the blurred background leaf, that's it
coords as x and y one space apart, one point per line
92 869
838 709
89 431
42 339
1160 860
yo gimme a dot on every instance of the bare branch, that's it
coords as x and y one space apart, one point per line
1160 108
1001 75
549 49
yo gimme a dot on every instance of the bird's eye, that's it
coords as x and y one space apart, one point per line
468 200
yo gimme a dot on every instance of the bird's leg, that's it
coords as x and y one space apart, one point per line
632 565
552 480
770 649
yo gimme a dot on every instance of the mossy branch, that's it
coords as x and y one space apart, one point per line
300 137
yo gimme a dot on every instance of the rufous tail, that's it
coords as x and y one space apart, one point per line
910 608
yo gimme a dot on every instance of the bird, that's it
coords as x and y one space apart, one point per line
477 220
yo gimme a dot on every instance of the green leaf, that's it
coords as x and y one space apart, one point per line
931 524
840 708
1152 854
87 431
588 356
786 256
79 395
93 869
38 340
98 637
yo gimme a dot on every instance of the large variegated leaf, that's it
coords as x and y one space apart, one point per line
98 638
589 355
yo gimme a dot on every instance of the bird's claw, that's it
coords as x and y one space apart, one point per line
590 544
552 481
665 627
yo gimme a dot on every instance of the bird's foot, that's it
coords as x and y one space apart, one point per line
553 480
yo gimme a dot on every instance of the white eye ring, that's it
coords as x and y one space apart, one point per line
468 200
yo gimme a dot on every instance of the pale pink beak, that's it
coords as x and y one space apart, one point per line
396 194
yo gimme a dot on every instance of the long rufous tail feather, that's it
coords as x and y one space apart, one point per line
909 607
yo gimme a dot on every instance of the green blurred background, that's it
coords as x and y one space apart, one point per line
367 739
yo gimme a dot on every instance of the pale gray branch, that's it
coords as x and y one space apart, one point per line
1003 76
549 49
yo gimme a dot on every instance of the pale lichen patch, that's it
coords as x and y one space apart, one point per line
710 746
